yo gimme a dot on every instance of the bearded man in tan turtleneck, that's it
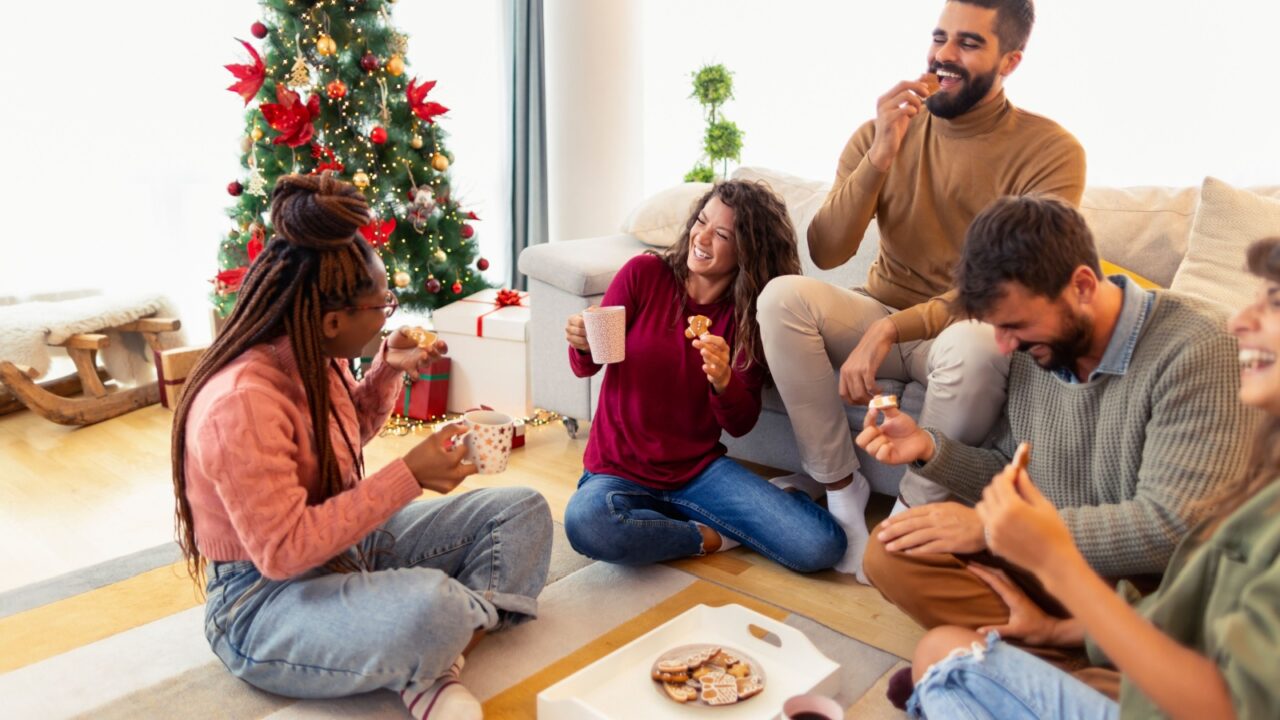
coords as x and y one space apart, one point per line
923 168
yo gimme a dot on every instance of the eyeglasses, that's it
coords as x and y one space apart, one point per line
388 308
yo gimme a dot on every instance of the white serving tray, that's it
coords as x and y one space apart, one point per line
618 686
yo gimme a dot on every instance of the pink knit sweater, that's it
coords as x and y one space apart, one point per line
252 465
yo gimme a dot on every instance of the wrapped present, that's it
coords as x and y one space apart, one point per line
425 397
518 440
172 368
487 335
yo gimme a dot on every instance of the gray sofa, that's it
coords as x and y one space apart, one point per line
1145 230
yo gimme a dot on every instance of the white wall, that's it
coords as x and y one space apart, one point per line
120 138
1159 92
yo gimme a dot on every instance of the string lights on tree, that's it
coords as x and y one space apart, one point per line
328 89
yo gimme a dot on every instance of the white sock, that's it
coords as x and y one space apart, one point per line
445 699
805 484
849 507
726 542
898 506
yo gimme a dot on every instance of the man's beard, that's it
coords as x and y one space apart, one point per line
972 90
1065 350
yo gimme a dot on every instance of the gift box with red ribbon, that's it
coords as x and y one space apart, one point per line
425 396
487 335
172 368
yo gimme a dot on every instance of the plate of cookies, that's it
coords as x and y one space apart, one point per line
707 675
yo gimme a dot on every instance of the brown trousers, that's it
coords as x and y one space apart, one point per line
937 590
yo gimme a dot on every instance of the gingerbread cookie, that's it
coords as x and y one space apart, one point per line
707 675
749 686
424 338
722 690
680 693
698 324
883 402
931 82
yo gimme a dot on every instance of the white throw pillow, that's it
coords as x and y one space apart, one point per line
1227 221
659 220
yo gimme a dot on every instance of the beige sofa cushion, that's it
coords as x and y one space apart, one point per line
1143 229
1227 221
659 220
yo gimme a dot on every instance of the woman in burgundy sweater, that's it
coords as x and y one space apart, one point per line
657 483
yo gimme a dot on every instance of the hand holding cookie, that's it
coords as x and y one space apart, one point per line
412 350
715 360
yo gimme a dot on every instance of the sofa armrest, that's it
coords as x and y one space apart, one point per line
581 267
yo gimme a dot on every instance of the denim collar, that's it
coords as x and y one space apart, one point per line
1124 338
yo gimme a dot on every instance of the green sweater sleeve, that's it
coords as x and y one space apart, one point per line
966 470
1191 446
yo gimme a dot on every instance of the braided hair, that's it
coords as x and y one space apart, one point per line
315 263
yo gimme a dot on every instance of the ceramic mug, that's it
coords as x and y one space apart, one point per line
488 440
811 707
606 333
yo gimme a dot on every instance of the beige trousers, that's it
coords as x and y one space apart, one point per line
809 327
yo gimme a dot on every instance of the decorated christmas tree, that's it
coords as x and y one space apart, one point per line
330 91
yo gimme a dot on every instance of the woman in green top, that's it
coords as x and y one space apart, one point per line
1205 645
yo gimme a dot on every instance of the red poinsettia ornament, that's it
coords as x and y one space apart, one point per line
228 281
291 117
417 95
249 76
378 233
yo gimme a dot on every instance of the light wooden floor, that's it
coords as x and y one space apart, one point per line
74 497
70 498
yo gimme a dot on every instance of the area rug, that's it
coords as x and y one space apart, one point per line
125 639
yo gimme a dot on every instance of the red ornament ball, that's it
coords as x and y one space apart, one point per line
483 264
433 285
336 90
378 134
467 231
457 288
259 30
370 62
234 188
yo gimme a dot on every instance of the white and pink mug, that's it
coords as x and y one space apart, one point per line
488 440
606 333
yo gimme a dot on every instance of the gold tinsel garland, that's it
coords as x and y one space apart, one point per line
399 425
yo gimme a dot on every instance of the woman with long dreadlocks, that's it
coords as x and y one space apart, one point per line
322 581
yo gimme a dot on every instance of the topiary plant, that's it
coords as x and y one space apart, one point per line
713 86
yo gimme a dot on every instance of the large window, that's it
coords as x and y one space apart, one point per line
120 138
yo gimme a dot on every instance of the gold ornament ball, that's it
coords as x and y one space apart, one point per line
441 257
401 279
256 134
246 142
395 65
416 142
439 162
360 179
326 46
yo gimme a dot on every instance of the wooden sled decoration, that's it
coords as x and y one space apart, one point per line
97 402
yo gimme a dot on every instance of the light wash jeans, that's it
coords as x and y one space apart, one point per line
1002 682
457 564
616 520
808 328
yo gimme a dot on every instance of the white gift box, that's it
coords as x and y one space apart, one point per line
618 686
488 342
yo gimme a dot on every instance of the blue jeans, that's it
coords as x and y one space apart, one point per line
616 520
441 570
1002 682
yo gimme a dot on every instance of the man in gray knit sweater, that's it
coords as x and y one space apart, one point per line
1127 396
